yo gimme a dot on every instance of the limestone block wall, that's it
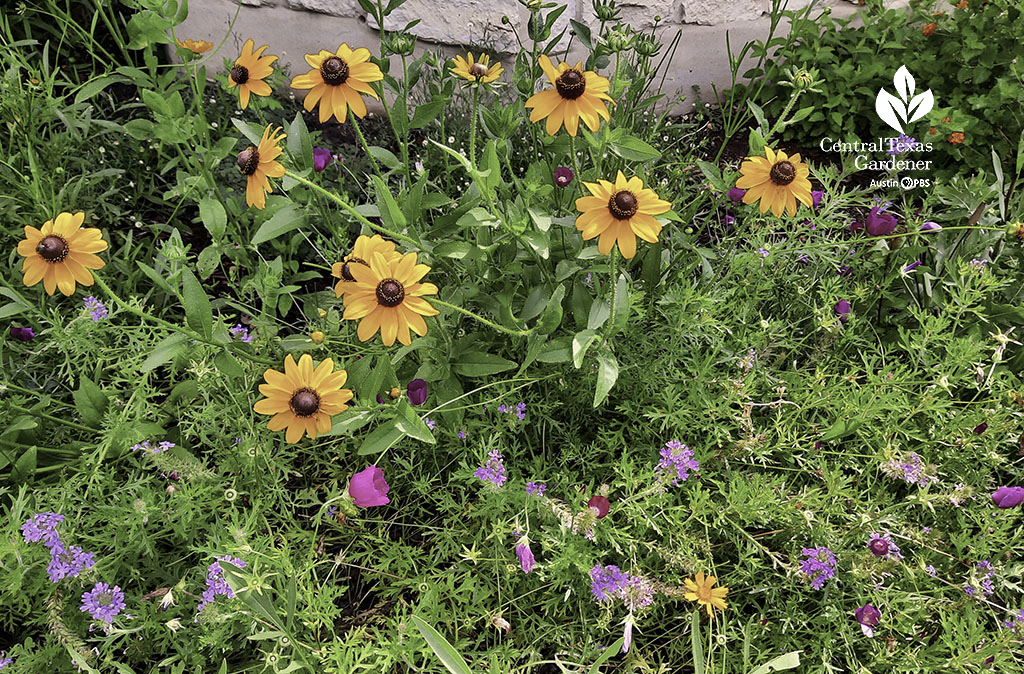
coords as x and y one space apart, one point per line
293 28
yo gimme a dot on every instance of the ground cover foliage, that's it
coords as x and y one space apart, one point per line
748 415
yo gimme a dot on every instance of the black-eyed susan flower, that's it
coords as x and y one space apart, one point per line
259 165
61 253
388 297
479 71
250 69
361 253
196 46
302 399
777 181
577 95
701 591
337 81
620 211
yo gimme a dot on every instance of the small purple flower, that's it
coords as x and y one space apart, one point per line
900 144
368 488
1004 497
4 660
241 332
676 463
22 334
842 309
816 198
607 582
503 408
321 158
494 470
1016 623
968 590
417 390
978 264
912 266
525 554
96 308
819 566
931 227
215 583
332 511
880 223
762 252
736 194
868 616
68 562
883 547
981 428
911 470
521 411
729 220
103 602
429 422
42 528
535 488
462 435
930 570
563 176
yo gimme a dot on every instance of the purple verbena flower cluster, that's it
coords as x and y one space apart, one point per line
494 470
819 566
1016 622
97 310
4 660
103 602
676 463
911 470
986 575
42 528
215 583
519 410
535 488
157 448
65 561
609 583
241 332
900 144
429 422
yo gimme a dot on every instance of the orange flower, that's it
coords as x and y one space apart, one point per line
956 137
932 131
196 46
929 29
962 4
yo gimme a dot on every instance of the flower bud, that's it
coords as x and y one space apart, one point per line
317 337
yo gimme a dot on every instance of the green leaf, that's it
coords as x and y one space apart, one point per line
444 651
212 213
633 149
95 86
25 467
386 157
479 364
285 220
11 309
198 311
789 660
696 645
756 143
713 174
299 143
228 365
390 213
841 429
253 132
90 401
607 374
381 438
409 423
580 343
607 655
551 317
164 351
350 422
155 276
427 112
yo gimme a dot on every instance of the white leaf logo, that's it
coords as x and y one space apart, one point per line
896 112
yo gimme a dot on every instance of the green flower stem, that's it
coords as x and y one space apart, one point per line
574 160
500 328
785 113
57 420
614 281
362 139
171 326
472 128
351 209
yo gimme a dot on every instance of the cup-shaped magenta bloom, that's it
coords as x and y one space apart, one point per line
1008 497
736 194
525 555
816 197
599 503
321 158
23 334
368 488
879 547
417 390
563 176
842 309
879 223
868 615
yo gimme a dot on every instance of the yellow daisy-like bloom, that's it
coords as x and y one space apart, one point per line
699 590
620 211
364 249
481 71
250 70
777 181
196 46
337 80
61 253
258 165
577 95
388 297
302 399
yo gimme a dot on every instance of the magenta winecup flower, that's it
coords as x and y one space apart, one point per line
563 176
368 488
417 390
842 309
525 555
1008 497
880 223
600 504
321 159
868 616
736 194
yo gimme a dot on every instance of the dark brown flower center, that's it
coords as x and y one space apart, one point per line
623 205
304 403
390 293
240 74
571 84
346 273
334 71
248 160
52 249
478 70
783 173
